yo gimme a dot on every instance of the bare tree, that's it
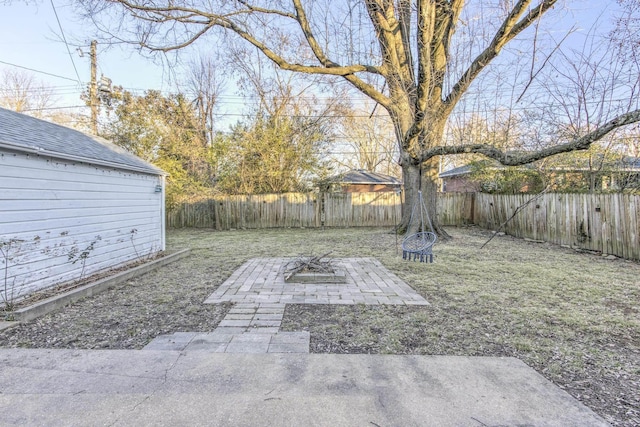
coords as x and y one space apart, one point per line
626 34
75 119
398 53
205 84
276 93
19 91
369 142
283 139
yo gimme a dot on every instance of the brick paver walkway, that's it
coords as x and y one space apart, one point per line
247 328
260 293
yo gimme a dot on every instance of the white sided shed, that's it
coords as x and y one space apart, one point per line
71 205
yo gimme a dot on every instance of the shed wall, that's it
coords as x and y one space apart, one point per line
57 215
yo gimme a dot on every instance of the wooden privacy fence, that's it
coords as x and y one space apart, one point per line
289 210
248 211
607 223
362 209
456 208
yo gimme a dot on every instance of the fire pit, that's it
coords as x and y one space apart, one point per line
313 269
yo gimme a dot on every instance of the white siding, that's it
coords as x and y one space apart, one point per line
58 207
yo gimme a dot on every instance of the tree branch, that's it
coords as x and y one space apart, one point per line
510 28
436 25
395 68
519 158
303 21
186 15
404 20
301 18
425 34
266 11
443 32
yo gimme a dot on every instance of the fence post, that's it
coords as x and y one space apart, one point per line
322 196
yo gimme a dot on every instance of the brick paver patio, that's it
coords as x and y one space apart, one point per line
260 280
260 293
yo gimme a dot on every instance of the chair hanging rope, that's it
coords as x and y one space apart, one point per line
418 246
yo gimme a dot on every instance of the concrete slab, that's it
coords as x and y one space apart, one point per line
211 343
207 346
291 338
266 323
213 337
229 330
234 316
133 388
288 348
216 342
261 338
245 347
263 330
235 323
176 341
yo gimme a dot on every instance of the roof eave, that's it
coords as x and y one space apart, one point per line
53 154
368 183
453 175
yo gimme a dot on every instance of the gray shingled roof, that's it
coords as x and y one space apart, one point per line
360 176
25 133
460 170
631 162
625 164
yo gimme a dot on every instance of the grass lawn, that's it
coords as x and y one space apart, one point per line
573 317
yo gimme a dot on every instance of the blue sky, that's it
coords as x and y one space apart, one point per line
30 37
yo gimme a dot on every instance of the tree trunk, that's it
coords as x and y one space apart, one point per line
411 181
421 178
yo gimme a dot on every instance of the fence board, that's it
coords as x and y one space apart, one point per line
456 208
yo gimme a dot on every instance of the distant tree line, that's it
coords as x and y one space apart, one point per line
261 154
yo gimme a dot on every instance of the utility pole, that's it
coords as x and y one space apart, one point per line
93 88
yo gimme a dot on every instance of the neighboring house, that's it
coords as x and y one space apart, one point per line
458 180
615 175
623 174
628 175
360 181
71 205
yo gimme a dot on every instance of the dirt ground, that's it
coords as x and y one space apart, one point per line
574 317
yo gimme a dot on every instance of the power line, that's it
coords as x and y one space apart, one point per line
474 111
37 71
55 90
55 12
54 108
